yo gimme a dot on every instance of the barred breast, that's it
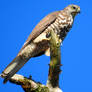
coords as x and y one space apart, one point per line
61 27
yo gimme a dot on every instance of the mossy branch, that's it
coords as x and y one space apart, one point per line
28 85
55 63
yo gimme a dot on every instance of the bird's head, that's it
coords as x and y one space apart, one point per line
72 9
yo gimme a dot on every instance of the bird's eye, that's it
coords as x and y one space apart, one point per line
73 7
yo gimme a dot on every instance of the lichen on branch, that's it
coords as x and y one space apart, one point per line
55 63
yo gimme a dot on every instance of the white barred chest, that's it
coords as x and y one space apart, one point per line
61 23
64 20
58 27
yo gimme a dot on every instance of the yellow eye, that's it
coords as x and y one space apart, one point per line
73 7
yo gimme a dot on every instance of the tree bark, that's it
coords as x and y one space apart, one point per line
55 63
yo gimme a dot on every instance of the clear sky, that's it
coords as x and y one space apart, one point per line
19 17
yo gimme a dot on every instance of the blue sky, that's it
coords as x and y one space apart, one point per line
19 17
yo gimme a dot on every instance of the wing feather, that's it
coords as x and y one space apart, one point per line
41 26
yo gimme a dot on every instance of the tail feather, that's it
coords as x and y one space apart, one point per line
12 68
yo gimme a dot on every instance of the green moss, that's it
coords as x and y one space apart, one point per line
41 89
27 87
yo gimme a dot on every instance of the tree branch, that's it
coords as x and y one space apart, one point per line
55 63
27 84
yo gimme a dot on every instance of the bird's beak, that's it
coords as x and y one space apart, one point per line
78 10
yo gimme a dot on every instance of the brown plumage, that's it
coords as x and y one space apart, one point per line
42 25
38 41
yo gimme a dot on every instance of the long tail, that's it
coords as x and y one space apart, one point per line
12 68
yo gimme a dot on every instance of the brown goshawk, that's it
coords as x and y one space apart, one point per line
38 42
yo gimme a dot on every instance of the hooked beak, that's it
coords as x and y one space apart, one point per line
78 10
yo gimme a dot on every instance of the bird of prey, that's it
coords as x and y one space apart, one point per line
38 42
